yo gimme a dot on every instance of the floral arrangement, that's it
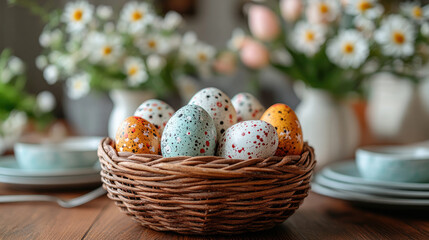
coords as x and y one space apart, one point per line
334 45
15 105
93 47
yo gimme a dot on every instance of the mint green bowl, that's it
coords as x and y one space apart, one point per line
395 164
74 152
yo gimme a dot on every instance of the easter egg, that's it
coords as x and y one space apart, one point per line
137 135
218 105
247 107
156 112
287 125
248 140
189 132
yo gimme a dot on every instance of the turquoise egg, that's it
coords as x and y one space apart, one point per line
189 132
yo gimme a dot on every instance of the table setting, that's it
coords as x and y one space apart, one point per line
137 122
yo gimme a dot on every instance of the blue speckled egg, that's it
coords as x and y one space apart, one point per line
189 132
218 105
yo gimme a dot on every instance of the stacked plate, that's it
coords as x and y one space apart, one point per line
14 176
343 181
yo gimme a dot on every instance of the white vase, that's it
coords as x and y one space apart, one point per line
125 103
330 126
396 110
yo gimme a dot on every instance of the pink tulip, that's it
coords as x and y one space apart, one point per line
226 63
263 23
254 55
291 9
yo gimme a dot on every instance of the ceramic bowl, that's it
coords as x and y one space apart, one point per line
74 152
398 164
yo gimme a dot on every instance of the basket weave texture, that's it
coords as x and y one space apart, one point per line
205 195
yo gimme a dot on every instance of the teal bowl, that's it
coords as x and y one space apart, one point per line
395 164
74 152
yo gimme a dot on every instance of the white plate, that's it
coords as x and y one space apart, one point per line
326 182
9 167
347 172
367 198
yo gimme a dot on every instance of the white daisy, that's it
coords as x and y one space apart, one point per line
323 11
77 15
78 85
307 38
348 49
135 71
414 11
135 17
171 21
155 63
396 36
237 39
104 12
41 62
370 9
201 54
364 25
102 48
153 43
51 74
16 65
45 101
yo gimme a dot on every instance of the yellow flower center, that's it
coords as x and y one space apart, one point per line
78 85
364 5
132 70
398 37
107 50
323 8
152 44
77 15
309 36
417 12
348 48
136 16
202 57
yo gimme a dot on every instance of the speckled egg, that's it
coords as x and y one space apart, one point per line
189 132
284 119
247 106
137 135
218 105
248 140
156 112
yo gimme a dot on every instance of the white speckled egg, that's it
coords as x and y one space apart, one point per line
189 132
218 105
247 106
156 112
248 140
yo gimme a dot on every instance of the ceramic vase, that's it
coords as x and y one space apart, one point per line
329 125
125 103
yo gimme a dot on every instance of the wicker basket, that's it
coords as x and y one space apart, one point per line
205 195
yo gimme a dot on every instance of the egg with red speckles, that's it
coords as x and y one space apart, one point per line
189 132
218 105
287 125
137 135
156 112
247 107
248 140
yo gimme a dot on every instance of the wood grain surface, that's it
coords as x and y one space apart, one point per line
318 218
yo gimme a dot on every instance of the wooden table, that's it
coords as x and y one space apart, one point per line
318 218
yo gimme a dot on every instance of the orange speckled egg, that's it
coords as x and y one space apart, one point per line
288 128
137 135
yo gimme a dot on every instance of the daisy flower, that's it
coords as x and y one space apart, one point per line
237 39
396 36
323 11
370 9
135 17
171 21
307 38
135 71
104 12
45 101
16 65
77 15
201 54
51 74
153 43
414 11
364 25
348 49
78 85
155 63
102 48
